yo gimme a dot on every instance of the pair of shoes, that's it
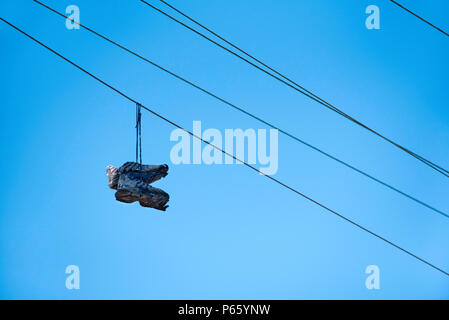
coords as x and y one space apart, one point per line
132 182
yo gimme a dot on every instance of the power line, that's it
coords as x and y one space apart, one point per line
247 113
303 91
228 154
422 19
428 162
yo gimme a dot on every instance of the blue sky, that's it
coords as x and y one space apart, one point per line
228 233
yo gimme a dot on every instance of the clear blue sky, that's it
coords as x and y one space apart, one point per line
228 233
